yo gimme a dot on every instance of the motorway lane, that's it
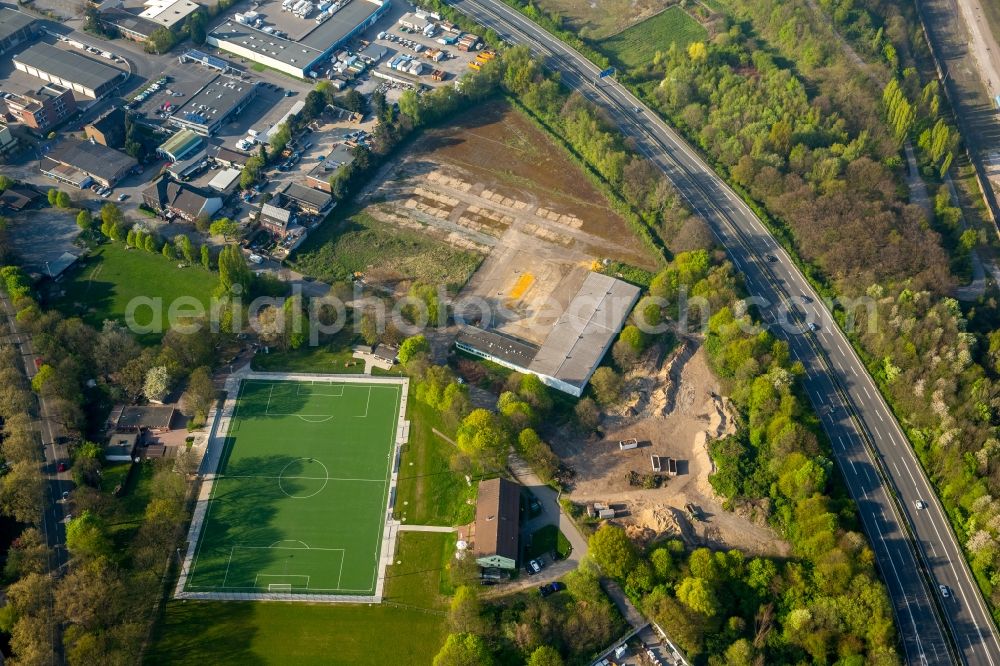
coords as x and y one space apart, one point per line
865 435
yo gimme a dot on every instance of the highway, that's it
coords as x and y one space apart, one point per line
880 469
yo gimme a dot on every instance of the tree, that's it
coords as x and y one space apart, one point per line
464 650
607 385
63 200
253 167
184 247
412 347
464 613
538 454
111 216
587 414
84 220
483 438
206 257
698 595
150 243
369 327
196 28
233 269
160 41
613 551
45 374
545 655
157 384
87 537
52 196
169 252
224 227
200 394
22 492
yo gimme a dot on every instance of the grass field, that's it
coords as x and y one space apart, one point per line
299 499
637 45
360 243
428 491
101 286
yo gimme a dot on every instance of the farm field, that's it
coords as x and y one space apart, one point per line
101 286
297 505
638 45
362 243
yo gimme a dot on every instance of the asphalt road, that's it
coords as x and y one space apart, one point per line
878 464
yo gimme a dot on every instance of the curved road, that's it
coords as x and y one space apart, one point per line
915 548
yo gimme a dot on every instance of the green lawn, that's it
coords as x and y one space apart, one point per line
549 539
256 633
102 285
333 358
300 496
636 46
428 492
420 577
360 243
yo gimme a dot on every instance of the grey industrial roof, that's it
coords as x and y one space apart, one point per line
92 158
68 65
12 21
340 155
218 98
307 194
585 330
297 54
306 51
275 213
504 347
338 26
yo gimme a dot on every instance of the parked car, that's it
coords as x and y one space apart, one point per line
551 588
61 467
122 197
533 567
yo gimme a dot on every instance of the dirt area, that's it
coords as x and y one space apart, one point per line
597 19
492 183
674 408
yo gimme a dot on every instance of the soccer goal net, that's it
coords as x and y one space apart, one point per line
279 587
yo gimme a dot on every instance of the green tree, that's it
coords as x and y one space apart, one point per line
196 28
160 41
484 439
224 227
607 385
206 257
157 383
45 374
87 537
465 612
111 216
63 200
52 195
150 243
464 650
169 252
545 655
412 347
613 551
184 247
84 221
233 269
698 595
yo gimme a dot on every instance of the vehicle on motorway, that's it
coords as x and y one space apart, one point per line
533 567
772 258
945 592
551 588
920 504
806 299
812 326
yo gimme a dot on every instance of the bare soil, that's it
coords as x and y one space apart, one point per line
674 408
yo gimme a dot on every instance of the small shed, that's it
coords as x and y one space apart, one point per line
121 446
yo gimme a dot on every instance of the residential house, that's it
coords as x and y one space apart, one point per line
498 508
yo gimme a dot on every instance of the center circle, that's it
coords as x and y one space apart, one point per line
300 475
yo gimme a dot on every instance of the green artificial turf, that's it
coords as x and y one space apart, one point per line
300 498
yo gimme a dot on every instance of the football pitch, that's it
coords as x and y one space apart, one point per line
298 504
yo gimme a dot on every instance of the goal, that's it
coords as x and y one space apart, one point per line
279 587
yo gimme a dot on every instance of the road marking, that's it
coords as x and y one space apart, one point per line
878 413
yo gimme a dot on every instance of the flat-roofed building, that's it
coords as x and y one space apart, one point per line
498 506
181 145
226 181
15 27
298 57
78 163
575 345
208 109
169 13
69 69
42 109
229 158
130 26
319 176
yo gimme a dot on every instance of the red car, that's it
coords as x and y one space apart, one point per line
61 467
